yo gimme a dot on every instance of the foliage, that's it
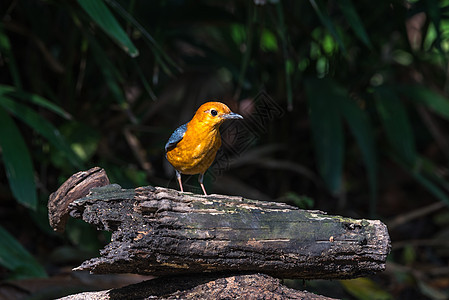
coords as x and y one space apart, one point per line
105 82
17 259
365 289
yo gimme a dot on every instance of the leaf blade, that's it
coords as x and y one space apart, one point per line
327 22
6 49
433 11
328 136
16 258
396 123
101 15
110 73
17 160
42 126
360 126
422 95
424 181
161 56
35 99
354 21
365 289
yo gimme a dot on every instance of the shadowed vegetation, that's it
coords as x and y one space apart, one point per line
344 101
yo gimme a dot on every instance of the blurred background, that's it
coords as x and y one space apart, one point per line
345 105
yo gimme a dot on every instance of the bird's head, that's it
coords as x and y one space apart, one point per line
214 114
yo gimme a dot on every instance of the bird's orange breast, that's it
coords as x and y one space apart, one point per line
196 151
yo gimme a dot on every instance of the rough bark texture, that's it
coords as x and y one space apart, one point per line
254 286
160 231
77 186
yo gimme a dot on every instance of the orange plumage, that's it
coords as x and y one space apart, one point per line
192 148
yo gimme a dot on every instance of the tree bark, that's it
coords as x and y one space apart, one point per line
160 231
77 186
253 286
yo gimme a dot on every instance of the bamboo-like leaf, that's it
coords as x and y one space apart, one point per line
354 21
433 11
5 48
335 99
425 96
111 75
17 259
284 43
35 99
361 128
17 161
160 54
423 180
327 22
431 171
365 289
327 132
42 126
144 81
396 123
245 36
101 15
431 187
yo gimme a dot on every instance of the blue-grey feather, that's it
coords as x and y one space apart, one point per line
176 137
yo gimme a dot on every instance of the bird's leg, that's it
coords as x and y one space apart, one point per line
200 180
178 176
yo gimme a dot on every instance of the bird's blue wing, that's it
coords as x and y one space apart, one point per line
176 136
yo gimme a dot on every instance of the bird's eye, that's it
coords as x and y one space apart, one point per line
213 112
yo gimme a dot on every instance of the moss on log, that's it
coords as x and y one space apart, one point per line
160 231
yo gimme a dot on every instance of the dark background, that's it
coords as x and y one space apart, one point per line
345 106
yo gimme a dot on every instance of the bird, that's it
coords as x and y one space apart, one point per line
192 147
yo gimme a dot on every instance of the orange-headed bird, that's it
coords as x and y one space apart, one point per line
192 147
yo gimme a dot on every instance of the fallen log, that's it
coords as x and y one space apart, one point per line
160 231
253 286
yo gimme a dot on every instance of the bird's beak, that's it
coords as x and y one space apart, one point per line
232 115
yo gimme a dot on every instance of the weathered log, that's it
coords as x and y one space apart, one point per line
160 231
77 186
254 286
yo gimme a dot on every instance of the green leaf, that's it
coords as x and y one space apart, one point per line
84 236
245 36
144 81
425 182
35 99
17 259
365 289
302 202
327 22
111 75
354 21
360 125
83 139
6 50
42 126
433 172
161 56
396 123
430 291
101 15
283 34
425 96
268 41
17 160
327 131
433 11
